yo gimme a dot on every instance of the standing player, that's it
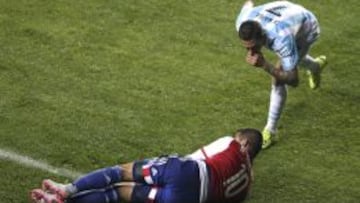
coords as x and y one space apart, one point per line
218 172
288 30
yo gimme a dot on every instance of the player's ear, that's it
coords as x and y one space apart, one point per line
244 143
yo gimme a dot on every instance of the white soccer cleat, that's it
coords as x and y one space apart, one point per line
40 196
55 188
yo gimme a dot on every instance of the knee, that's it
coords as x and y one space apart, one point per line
140 194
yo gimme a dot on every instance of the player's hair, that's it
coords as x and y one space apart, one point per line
254 138
250 30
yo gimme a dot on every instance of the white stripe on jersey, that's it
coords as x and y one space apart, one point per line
215 147
200 155
204 180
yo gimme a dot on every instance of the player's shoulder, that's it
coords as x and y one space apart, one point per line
225 139
217 146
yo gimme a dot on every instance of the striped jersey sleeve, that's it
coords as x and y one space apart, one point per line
282 22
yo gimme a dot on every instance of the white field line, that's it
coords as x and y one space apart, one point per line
29 162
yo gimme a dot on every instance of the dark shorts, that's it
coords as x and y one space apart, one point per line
167 179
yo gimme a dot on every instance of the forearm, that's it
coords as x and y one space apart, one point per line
257 59
281 76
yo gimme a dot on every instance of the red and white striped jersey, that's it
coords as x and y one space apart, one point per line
229 170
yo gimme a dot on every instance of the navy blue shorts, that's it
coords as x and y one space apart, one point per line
168 179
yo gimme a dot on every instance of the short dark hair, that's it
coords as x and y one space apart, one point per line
250 30
254 138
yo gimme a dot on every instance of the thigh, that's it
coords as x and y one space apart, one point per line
304 48
142 193
165 170
304 44
152 171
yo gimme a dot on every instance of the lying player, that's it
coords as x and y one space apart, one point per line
218 172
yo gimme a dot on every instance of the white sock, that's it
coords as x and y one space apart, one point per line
309 63
71 189
278 96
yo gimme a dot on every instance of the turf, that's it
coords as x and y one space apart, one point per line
88 84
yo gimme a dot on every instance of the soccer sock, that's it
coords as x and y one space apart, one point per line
110 195
98 179
277 101
309 63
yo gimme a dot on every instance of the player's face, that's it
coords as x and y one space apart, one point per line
252 45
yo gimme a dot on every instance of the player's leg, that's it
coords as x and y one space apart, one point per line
278 95
141 193
310 64
98 179
146 174
111 194
177 180
143 188
97 186
107 195
313 66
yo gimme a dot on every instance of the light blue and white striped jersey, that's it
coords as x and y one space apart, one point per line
287 26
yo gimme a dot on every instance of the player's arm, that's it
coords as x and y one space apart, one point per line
245 9
248 4
281 76
285 71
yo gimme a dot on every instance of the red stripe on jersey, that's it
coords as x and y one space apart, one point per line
204 153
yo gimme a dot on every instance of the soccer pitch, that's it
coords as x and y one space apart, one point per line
89 84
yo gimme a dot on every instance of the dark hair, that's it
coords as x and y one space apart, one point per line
250 30
254 138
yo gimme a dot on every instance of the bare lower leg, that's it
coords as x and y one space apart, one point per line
127 171
125 191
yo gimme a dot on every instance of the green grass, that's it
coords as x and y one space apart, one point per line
88 84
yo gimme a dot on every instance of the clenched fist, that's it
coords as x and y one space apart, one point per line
255 58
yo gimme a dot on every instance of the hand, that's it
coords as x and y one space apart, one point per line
249 3
255 58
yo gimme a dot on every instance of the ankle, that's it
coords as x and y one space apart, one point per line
70 190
